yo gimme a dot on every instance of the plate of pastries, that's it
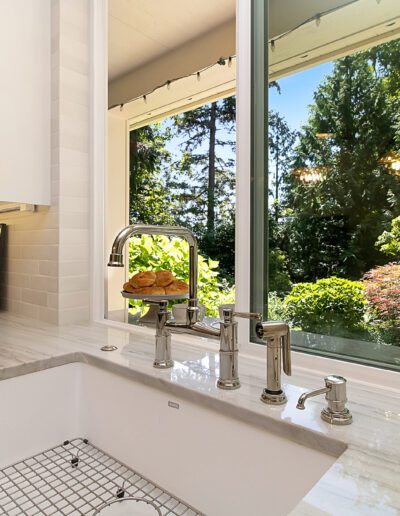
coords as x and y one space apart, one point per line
157 285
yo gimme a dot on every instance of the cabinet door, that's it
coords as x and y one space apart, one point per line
25 101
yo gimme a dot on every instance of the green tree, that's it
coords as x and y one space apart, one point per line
340 196
149 201
281 140
204 178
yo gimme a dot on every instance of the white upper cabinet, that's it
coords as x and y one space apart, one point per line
25 101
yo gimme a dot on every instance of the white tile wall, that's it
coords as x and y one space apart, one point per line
47 269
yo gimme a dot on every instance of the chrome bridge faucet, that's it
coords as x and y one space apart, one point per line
276 334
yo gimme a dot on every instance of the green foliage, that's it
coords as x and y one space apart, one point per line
382 291
160 252
279 279
276 307
203 179
389 241
336 220
281 140
331 306
149 202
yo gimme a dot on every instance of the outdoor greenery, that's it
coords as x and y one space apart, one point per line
334 200
382 290
332 306
389 241
154 253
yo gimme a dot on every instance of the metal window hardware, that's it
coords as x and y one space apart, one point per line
336 412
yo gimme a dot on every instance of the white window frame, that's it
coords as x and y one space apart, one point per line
99 255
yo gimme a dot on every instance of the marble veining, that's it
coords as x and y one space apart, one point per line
365 477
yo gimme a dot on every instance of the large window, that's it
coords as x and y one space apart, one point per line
324 249
334 216
334 206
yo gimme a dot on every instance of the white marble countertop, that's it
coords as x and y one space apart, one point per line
364 480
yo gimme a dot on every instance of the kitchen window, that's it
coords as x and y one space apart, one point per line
285 214
329 219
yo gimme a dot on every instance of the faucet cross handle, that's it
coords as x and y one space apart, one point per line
229 314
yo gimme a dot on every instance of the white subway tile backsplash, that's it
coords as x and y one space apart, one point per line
73 268
34 297
23 266
48 268
73 299
74 315
14 293
18 280
28 310
49 315
40 252
74 283
44 283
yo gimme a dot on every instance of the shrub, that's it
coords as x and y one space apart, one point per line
160 252
382 290
331 306
279 279
389 241
276 307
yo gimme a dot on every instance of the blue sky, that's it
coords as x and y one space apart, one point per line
297 94
292 103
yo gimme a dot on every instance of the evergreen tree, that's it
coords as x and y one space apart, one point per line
204 178
334 221
149 202
281 140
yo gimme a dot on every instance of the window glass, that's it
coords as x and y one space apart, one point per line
182 172
334 206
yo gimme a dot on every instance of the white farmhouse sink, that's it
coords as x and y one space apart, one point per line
217 464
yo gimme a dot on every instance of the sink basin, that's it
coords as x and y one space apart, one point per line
218 464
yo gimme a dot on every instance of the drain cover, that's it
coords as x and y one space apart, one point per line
130 507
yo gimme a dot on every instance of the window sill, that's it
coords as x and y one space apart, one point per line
318 365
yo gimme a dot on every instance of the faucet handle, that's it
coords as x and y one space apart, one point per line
229 314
